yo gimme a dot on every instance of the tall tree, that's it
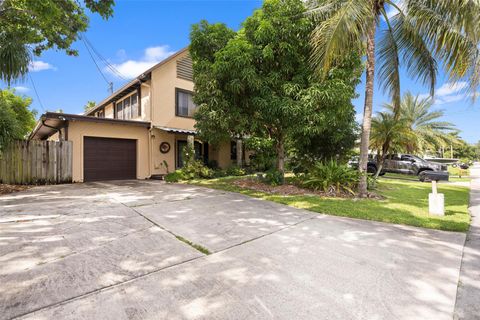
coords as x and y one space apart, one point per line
258 82
426 129
34 26
416 36
16 117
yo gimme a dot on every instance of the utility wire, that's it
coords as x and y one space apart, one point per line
105 61
95 62
36 92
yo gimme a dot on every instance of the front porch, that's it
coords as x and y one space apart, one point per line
167 145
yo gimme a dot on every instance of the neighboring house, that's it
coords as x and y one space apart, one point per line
140 130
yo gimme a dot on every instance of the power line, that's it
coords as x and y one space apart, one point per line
96 64
105 61
36 92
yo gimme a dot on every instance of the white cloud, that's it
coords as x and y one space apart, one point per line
39 65
21 89
449 92
451 88
151 56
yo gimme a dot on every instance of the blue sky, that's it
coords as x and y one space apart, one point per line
143 32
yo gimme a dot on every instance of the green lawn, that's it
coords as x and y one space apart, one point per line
457 174
406 202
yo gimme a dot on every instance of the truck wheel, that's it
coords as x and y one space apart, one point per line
371 170
422 176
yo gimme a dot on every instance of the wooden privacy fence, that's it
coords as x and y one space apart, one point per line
36 162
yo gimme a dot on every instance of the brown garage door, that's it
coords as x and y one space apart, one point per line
109 159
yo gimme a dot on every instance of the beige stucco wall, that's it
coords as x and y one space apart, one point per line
109 111
164 81
145 100
79 129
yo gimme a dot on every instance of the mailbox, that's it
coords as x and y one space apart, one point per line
436 201
436 175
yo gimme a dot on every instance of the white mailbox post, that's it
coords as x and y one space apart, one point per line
436 201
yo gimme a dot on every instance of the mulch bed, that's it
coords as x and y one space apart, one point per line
292 190
9 188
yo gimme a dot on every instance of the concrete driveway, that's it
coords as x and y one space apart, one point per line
129 250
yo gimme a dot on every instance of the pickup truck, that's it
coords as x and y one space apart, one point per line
406 164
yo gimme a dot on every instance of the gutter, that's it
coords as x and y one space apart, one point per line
59 130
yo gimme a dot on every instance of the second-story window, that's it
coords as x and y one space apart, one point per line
128 108
119 110
185 106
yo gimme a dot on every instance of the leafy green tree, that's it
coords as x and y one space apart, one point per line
41 25
258 82
89 105
462 150
417 36
16 118
329 131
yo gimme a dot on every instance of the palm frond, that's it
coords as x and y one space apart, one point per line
342 32
389 65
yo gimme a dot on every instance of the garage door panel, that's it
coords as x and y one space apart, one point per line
109 159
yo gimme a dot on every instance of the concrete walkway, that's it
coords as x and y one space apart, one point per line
128 250
468 295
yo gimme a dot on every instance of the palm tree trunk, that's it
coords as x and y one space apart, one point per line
367 110
381 158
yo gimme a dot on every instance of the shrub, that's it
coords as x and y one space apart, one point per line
196 169
219 173
192 170
273 177
331 177
235 171
174 176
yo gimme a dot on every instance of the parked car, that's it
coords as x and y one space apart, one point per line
404 164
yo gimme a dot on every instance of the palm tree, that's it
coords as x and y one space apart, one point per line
14 59
387 133
419 33
426 131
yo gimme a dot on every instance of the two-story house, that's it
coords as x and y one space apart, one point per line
140 130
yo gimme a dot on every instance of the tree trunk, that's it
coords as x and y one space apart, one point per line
281 156
381 157
367 110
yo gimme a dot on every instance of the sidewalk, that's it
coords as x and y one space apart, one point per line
468 295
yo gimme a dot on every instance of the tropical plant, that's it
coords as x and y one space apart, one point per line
416 35
35 26
16 117
424 128
387 134
331 177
